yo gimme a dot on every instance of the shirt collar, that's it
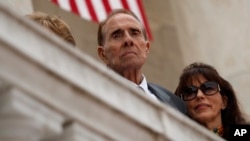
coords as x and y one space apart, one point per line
144 84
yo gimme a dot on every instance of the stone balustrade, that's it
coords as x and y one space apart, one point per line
50 91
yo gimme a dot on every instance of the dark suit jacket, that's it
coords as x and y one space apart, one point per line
167 97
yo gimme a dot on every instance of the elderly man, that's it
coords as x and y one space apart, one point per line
124 47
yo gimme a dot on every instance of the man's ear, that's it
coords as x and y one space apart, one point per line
101 54
148 45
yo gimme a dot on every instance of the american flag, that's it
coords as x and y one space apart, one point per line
97 10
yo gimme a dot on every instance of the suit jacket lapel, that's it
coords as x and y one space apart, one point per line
160 94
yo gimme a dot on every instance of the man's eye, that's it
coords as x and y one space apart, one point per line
115 36
135 32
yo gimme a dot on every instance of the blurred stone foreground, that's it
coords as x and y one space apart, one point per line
51 91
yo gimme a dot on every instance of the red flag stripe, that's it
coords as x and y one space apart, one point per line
125 4
83 10
97 10
74 7
91 11
55 1
107 6
143 15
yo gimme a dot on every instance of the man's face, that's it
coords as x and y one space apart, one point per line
124 44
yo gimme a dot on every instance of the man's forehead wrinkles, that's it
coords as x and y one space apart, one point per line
117 18
113 30
123 28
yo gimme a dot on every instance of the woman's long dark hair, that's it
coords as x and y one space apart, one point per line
231 114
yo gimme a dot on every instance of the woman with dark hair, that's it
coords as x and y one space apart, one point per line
210 99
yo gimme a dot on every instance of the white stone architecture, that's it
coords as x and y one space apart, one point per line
50 91
212 31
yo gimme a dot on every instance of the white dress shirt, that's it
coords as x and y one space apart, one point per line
144 86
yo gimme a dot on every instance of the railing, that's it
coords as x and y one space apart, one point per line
51 91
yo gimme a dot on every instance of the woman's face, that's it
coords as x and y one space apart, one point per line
206 109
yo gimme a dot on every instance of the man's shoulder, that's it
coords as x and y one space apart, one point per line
153 85
167 97
159 90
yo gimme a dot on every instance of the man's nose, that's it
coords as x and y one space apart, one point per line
128 40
